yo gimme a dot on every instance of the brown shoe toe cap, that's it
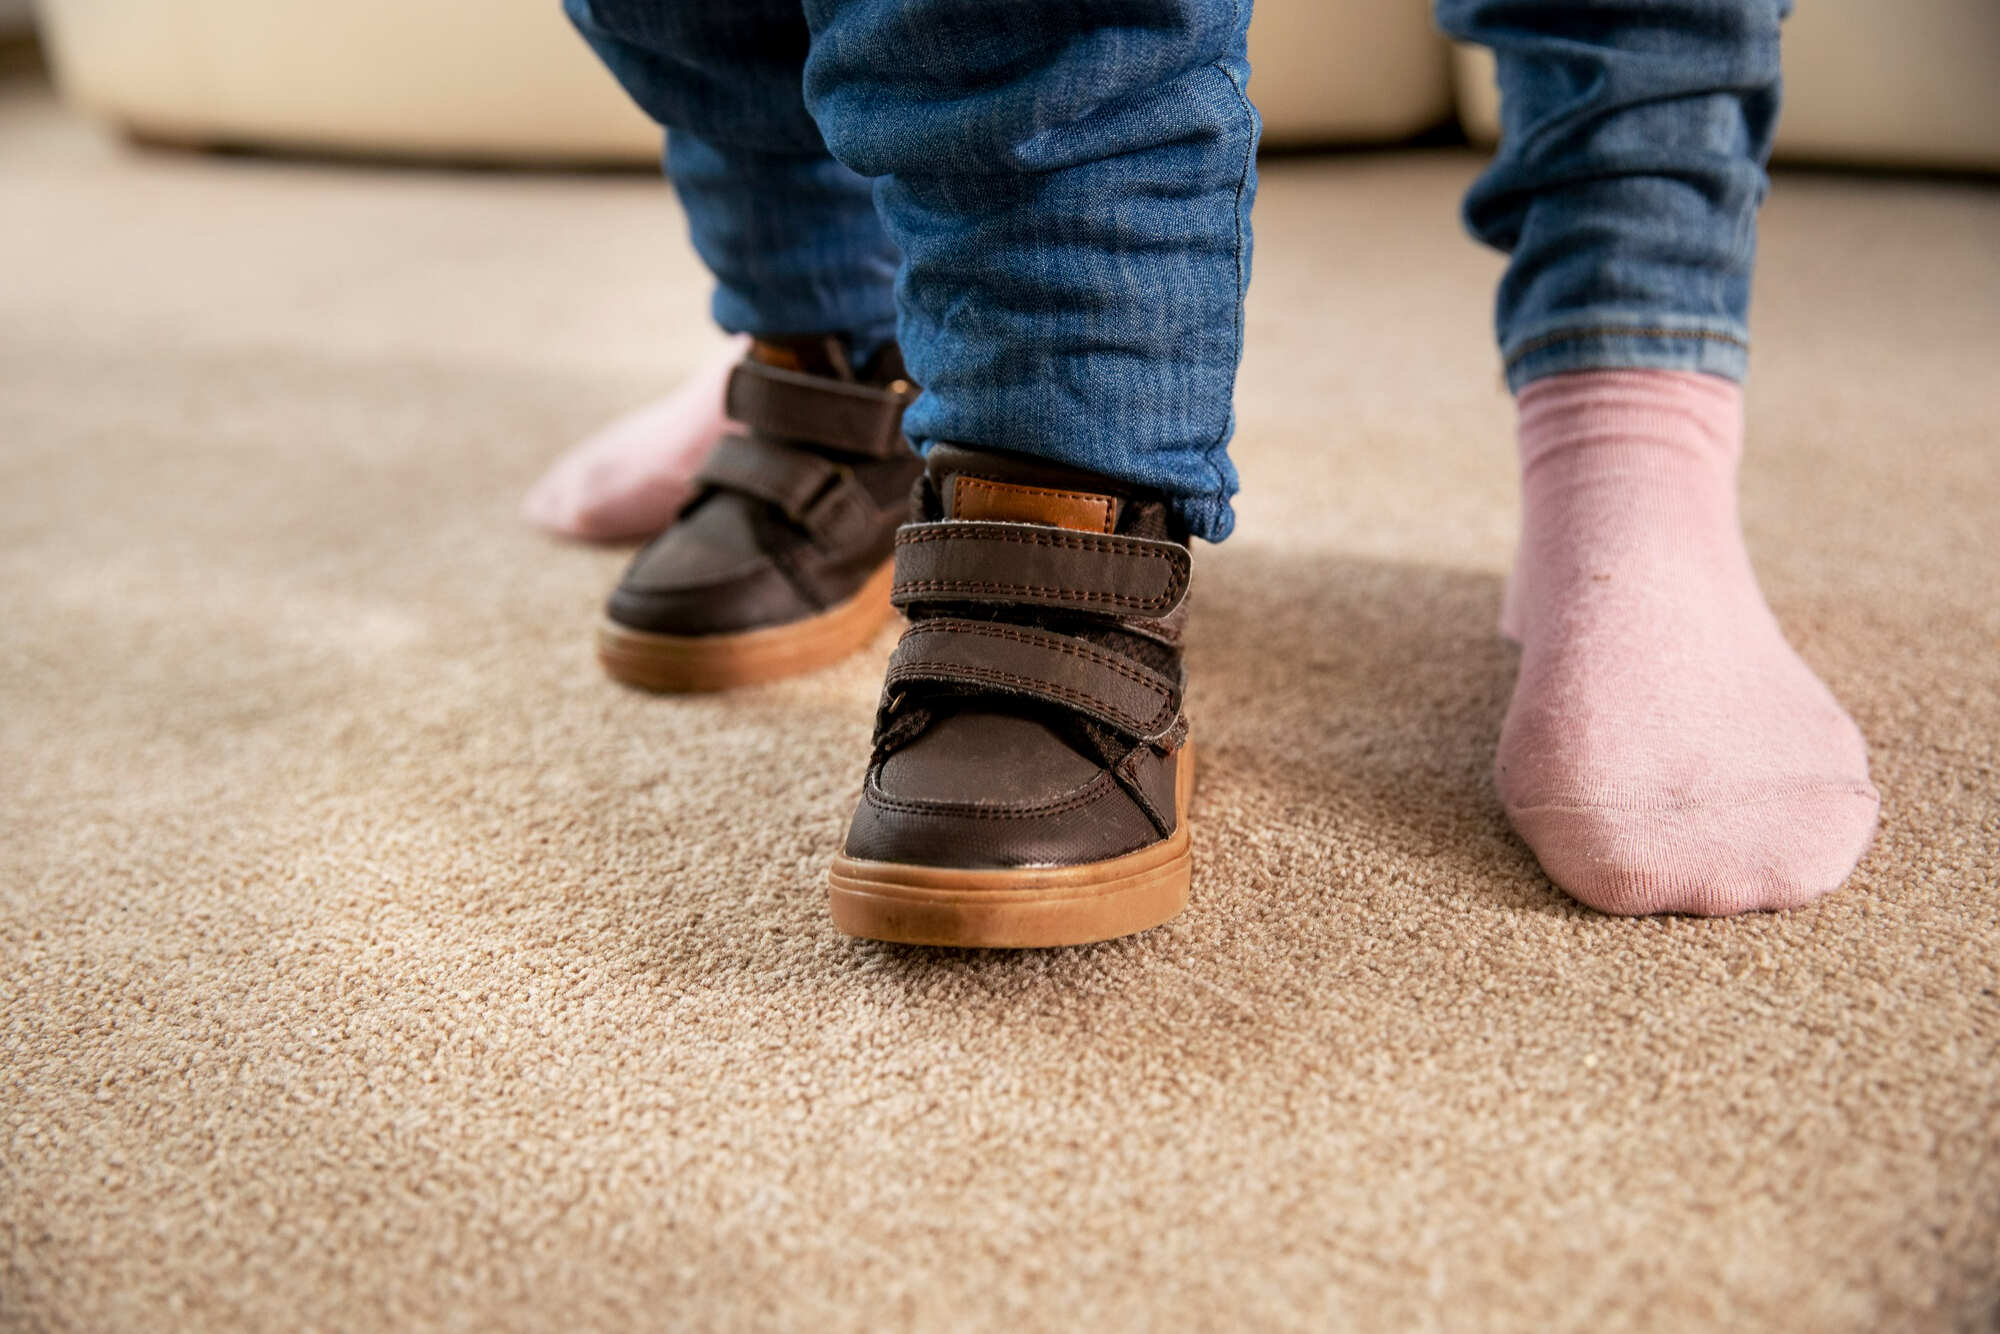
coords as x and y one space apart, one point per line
1092 824
993 789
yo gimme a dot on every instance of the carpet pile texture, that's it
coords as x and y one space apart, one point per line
368 961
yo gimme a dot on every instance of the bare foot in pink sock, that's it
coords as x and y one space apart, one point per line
1666 750
631 478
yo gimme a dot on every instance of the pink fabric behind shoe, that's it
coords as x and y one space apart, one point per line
631 478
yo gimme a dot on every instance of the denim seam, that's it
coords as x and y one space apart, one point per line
1536 344
1242 184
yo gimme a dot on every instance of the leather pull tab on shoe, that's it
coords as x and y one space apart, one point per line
980 498
811 354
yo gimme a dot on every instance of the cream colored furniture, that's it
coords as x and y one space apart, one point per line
1347 71
507 79
1908 83
1913 82
492 79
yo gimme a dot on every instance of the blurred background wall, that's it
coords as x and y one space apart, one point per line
1914 83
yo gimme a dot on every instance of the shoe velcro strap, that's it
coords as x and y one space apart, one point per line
959 561
848 418
1020 660
821 497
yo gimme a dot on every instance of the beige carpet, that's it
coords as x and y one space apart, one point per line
367 962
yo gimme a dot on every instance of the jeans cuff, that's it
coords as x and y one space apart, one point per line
1710 347
1209 518
866 333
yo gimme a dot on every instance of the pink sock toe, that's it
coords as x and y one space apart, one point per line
1665 750
1708 860
633 476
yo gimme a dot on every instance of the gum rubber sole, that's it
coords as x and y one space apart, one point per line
686 663
1030 907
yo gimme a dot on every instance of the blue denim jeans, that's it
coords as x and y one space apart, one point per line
1633 140
1049 205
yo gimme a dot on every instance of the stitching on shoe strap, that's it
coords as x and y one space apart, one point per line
1053 668
960 561
821 497
847 418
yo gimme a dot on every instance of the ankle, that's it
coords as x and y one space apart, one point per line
1627 478
1617 411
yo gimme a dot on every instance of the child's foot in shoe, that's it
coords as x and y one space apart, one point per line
779 562
1031 771
631 478
1666 750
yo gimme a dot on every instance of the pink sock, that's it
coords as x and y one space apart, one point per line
1666 750
631 478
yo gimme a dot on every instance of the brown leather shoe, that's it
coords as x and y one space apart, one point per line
780 562
1031 773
